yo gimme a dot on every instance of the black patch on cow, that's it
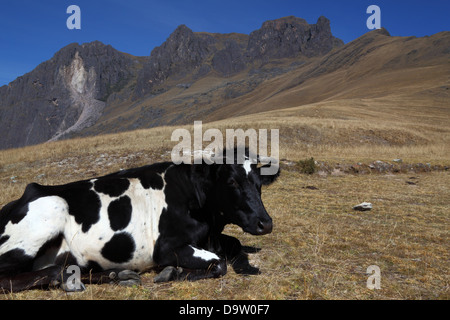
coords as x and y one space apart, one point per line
84 204
66 259
92 266
112 187
3 239
119 213
15 261
119 248
13 214
150 179
16 210
52 244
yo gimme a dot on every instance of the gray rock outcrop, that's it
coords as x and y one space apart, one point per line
64 94
289 37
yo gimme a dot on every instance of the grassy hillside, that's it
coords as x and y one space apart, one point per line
320 247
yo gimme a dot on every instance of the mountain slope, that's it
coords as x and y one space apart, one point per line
373 65
93 89
83 85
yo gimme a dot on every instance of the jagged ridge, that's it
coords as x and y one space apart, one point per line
186 51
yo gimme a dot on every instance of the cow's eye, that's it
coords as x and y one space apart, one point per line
233 183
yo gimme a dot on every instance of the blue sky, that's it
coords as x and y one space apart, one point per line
32 31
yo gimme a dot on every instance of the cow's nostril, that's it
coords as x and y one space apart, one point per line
264 227
260 225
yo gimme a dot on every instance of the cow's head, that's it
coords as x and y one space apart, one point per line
237 193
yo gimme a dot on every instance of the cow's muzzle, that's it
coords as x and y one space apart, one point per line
264 227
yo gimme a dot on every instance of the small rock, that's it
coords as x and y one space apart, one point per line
398 160
365 206
322 173
183 85
337 172
381 166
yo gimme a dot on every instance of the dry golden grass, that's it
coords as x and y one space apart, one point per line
320 248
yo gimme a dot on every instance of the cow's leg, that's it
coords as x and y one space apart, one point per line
187 263
39 279
23 268
21 271
58 276
236 255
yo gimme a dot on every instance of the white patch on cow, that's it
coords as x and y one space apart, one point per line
44 221
247 166
204 254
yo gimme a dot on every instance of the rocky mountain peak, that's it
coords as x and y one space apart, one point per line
290 37
284 23
182 52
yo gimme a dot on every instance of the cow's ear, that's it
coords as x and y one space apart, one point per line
268 179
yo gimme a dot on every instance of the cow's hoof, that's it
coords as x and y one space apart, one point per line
241 265
247 270
168 274
126 278
250 249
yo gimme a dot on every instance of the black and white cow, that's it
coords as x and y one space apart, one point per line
116 226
